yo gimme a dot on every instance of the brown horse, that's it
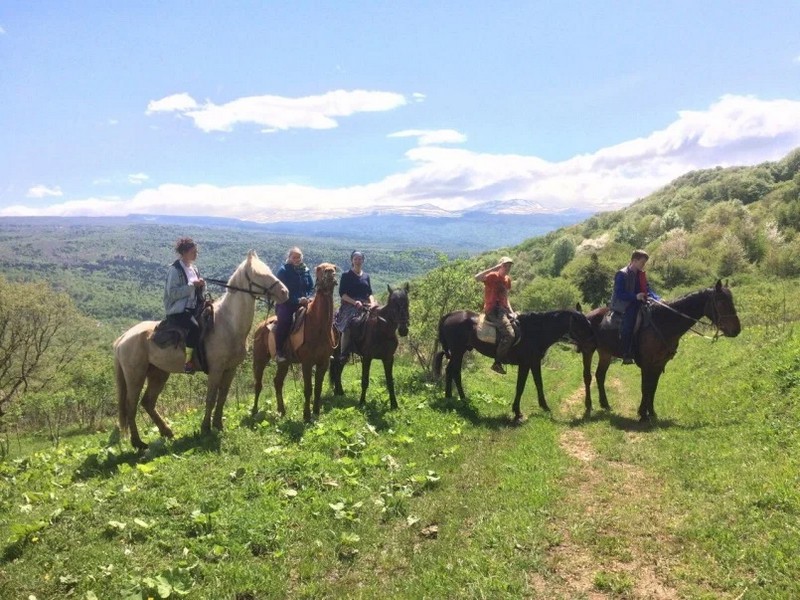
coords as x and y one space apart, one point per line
377 340
657 339
315 351
539 331
137 358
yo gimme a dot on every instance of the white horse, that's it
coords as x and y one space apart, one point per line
137 358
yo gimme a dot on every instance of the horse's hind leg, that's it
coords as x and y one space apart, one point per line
134 382
259 364
649 384
522 375
454 376
587 381
156 379
536 370
280 376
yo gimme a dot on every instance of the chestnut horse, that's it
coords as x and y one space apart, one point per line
137 358
378 340
315 352
657 340
539 331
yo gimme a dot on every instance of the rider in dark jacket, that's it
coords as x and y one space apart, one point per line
296 276
631 291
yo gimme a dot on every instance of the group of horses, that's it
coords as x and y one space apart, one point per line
138 360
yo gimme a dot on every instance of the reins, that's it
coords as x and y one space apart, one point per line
258 295
698 321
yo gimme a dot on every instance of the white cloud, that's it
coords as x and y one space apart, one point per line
42 191
428 137
179 102
735 130
277 112
2 31
418 97
138 178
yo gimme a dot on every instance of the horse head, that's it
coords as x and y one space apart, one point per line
325 278
580 329
721 310
257 278
397 308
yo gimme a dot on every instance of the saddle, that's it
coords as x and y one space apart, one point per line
296 334
486 331
613 320
166 334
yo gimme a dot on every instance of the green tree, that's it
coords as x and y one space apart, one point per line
594 282
563 252
547 293
448 287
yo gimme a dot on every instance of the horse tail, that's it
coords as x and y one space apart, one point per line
438 358
122 395
443 337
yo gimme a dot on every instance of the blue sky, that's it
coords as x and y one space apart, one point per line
275 110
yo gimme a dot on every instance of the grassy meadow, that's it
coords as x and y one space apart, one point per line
440 499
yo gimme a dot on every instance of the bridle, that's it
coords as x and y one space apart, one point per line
716 315
395 315
256 290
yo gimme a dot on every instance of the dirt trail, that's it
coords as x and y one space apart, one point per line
612 535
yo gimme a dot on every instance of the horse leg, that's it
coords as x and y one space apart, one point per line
308 368
319 379
211 399
600 375
388 365
649 384
587 382
222 396
280 376
258 375
336 375
522 376
365 365
454 374
536 370
134 383
156 379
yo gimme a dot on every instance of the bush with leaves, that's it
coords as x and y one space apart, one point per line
547 293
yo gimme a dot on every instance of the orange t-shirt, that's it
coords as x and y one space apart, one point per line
495 291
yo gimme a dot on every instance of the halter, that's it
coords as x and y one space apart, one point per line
392 312
256 290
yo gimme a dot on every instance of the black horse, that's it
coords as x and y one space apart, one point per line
539 331
657 340
376 339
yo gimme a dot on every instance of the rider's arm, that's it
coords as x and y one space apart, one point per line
482 275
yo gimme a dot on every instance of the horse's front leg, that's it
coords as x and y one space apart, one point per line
650 379
365 365
280 376
388 365
600 375
308 368
587 382
536 370
258 376
156 379
222 396
522 376
319 379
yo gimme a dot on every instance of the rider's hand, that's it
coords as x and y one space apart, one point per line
199 283
641 296
303 301
358 304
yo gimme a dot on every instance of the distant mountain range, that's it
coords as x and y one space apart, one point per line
483 227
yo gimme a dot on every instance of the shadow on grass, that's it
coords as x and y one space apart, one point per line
624 423
105 463
469 413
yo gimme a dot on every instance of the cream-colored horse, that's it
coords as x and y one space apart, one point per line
137 358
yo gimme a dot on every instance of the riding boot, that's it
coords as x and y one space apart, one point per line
344 343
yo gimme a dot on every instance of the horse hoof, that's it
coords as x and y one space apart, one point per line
167 433
519 419
205 428
139 445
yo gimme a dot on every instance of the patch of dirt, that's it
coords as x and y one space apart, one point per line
613 532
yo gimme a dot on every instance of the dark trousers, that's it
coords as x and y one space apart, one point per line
187 321
285 313
626 331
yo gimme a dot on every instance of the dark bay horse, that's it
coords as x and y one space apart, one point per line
137 359
657 341
457 334
314 354
377 341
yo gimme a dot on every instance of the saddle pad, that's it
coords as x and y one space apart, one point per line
485 330
166 335
296 339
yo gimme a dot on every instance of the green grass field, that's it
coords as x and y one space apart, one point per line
440 499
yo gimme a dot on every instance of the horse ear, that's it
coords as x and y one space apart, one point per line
405 287
726 283
718 285
251 254
578 307
390 289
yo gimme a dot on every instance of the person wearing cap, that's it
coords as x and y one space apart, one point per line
296 276
631 292
355 290
183 296
496 285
